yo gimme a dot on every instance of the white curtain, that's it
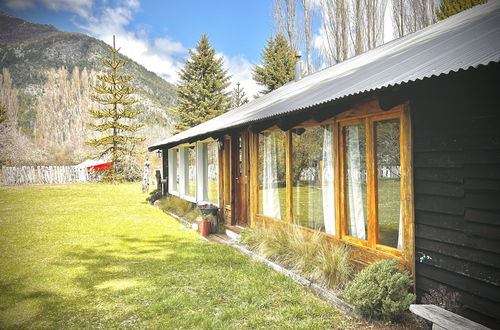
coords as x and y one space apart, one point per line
400 231
270 195
356 210
327 183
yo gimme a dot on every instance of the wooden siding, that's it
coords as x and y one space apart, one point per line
456 131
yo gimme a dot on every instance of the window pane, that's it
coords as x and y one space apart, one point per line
272 176
213 173
177 169
355 178
191 160
312 162
389 182
240 157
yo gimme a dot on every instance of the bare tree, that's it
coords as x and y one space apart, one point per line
60 126
8 95
285 17
307 33
351 27
412 15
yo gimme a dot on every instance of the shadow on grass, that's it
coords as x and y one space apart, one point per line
115 277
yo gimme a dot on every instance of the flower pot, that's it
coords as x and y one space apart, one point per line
204 228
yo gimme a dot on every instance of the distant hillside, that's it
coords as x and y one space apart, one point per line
30 50
13 29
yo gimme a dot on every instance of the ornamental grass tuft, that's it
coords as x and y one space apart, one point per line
180 207
310 254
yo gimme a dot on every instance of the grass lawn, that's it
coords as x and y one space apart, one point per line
98 256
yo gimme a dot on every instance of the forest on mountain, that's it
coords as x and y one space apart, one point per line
46 77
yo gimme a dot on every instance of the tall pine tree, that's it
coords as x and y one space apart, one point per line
278 65
116 118
201 90
452 7
238 96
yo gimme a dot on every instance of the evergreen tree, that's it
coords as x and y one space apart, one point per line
115 117
452 7
278 65
238 96
201 91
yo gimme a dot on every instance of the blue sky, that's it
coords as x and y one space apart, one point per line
158 34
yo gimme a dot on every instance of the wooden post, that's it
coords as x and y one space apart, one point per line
254 176
371 183
407 197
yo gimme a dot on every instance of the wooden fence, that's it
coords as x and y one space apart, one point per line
44 174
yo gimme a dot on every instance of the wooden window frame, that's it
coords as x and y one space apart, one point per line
254 177
364 251
372 181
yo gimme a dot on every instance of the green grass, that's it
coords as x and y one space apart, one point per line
97 256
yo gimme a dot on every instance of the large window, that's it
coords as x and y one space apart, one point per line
213 172
372 181
191 171
355 180
312 178
347 176
387 134
272 175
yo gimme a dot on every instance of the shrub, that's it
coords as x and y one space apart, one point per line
180 207
154 196
334 265
311 254
381 291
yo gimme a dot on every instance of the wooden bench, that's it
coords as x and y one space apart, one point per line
443 319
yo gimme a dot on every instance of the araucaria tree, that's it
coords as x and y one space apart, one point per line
115 119
278 65
201 90
238 96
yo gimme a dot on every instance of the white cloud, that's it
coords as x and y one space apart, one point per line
241 70
161 55
19 4
79 7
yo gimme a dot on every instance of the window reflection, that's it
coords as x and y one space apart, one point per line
191 161
389 182
312 180
213 172
355 178
272 176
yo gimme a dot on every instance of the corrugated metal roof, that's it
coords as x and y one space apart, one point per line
466 40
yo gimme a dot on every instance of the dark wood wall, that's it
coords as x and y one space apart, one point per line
456 137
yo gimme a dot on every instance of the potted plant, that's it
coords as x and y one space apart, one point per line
208 212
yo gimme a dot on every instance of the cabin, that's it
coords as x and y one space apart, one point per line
395 152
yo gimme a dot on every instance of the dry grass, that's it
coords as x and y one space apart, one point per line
311 254
180 207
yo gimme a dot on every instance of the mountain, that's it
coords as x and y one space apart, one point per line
13 29
29 51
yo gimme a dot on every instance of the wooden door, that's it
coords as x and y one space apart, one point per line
241 162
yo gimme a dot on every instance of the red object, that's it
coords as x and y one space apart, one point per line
99 167
204 228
